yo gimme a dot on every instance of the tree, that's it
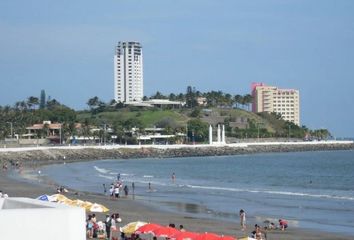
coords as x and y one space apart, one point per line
132 122
321 134
118 130
228 100
172 97
238 100
197 130
92 102
112 103
158 95
85 128
42 102
247 100
195 113
32 102
167 122
119 105
191 100
52 104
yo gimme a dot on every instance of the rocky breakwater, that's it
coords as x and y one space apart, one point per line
50 155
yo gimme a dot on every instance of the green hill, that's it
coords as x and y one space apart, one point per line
147 117
239 123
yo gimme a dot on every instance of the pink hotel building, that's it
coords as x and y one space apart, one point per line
285 102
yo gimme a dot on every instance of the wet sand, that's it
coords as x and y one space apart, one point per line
134 209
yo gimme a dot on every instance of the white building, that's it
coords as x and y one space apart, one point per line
128 72
285 102
25 218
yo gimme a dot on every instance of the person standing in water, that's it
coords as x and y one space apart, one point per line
104 189
126 190
173 177
243 219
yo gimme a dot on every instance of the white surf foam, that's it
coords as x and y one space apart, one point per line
300 194
101 170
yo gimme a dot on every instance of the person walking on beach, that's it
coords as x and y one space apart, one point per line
108 224
243 219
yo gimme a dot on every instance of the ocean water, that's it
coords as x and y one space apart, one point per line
312 190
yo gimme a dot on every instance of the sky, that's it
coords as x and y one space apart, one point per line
66 48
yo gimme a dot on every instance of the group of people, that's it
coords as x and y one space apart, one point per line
258 232
107 229
116 188
61 189
3 195
13 164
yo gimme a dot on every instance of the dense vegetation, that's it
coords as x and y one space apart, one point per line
191 119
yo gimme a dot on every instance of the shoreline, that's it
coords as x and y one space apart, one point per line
138 209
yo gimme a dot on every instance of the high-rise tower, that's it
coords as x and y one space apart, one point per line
285 102
128 72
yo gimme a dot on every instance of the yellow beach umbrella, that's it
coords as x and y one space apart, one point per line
67 202
59 197
98 208
87 205
77 203
132 227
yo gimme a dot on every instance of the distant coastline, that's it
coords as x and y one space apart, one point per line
50 155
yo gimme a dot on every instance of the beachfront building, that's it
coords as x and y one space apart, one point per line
128 72
285 102
156 135
202 101
43 133
51 133
159 103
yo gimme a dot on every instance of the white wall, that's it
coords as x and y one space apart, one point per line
24 218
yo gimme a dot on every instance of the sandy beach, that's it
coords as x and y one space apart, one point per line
134 209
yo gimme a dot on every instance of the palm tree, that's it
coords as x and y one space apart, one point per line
158 95
248 99
238 100
228 99
93 102
85 129
112 103
32 102
51 104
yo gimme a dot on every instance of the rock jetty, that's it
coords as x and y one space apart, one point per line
50 155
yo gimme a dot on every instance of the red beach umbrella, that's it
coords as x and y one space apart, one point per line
185 236
165 232
227 238
147 228
208 236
